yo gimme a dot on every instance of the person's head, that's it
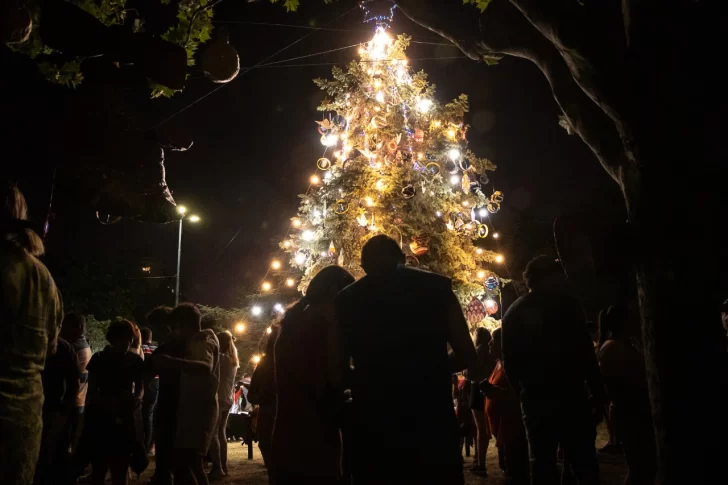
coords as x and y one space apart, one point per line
73 326
543 273
496 349
380 255
146 335
320 294
120 335
158 320
227 346
185 320
613 324
482 336
724 315
13 220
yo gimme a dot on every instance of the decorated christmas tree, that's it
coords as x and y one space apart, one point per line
396 162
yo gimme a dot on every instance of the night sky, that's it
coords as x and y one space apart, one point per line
255 145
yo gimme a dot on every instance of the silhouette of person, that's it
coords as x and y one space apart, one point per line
549 359
400 320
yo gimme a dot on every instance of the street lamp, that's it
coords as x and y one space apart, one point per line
181 210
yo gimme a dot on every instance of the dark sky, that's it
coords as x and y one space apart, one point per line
255 145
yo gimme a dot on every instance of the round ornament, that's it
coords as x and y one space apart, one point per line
483 178
493 207
482 231
432 168
491 282
497 196
340 121
341 207
464 164
392 146
220 62
491 307
475 311
323 164
465 182
419 135
420 244
408 191
451 167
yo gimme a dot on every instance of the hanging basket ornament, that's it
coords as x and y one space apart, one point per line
323 164
220 62
496 197
420 244
475 311
482 231
491 282
432 168
493 207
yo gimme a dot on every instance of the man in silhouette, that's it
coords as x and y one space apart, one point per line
550 361
396 324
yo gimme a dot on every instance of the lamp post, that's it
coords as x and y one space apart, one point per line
182 210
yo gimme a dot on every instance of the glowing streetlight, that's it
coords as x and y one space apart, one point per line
256 311
181 209
239 327
266 286
499 258
194 218
275 264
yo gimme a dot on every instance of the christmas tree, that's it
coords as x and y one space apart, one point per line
396 162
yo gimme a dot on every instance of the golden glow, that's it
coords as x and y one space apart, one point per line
369 201
315 179
296 222
496 235
454 180
287 243
380 185
275 264
451 133
420 156
424 105
478 251
181 209
256 359
481 274
499 258
266 286
256 311
290 282
308 235
466 203
438 123
146 269
194 218
269 330
239 327
300 258
379 97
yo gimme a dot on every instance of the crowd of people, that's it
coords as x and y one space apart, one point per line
328 408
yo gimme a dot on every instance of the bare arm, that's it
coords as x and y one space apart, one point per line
192 366
459 339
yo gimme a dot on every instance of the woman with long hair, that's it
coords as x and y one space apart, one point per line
31 316
229 364
477 401
263 395
306 437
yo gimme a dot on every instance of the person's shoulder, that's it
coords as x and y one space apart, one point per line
520 304
133 357
65 347
427 278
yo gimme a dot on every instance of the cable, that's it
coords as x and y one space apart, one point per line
243 73
265 66
311 55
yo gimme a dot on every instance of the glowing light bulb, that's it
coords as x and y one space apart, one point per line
290 282
380 185
455 180
181 209
328 176
420 156
256 359
315 179
379 97
308 235
438 214
478 251
256 311
451 133
438 123
324 254
279 308
275 264
483 213
424 105
266 286
499 258
496 235
316 213
286 244
269 330
296 222
454 154
481 274
377 84
330 140
300 258
369 201
466 203
361 50
239 327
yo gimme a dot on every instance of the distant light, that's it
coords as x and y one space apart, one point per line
239 327
424 105
308 235
484 213
181 209
279 308
275 264
146 269
266 286
454 179
481 274
490 303
269 330
194 218
300 258
315 179
296 222
499 258
256 311
454 154
290 282
256 359
496 235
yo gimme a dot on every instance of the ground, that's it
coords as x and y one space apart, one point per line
243 471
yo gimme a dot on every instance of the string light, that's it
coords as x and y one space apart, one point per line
308 235
489 303
496 235
499 258
315 179
424 105
466 203
481 274
478 251
483 212
266 286
275 264
256 311
330 140
269 330
454 154
290 282
379 97
256 359
451 133
239 327
454 180
278 308
438 214
369 201
300 258
296 222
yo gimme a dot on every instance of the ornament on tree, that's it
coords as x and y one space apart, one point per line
482 231
451 167
466 183
220 62
493 207
323 164
432 168
475 311
408 191
491 307
392 146
325 127
464 164
420 244
341 207
418 167
332 249
497 197
491 282
340 122
362 219
419 135
483 178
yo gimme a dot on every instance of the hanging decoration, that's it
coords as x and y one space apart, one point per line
420 244
466 183
491 282
493 207
341 207
483 178
491 306
497 197
419 135
432 168
482 231
408 191
220 61
323 163
475 311
332 249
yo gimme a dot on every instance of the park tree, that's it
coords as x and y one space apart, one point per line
639 83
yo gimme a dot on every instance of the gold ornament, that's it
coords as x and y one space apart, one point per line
341 207
420 244
482 231
496 197
323 164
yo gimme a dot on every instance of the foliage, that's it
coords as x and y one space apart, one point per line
96 332
479 4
